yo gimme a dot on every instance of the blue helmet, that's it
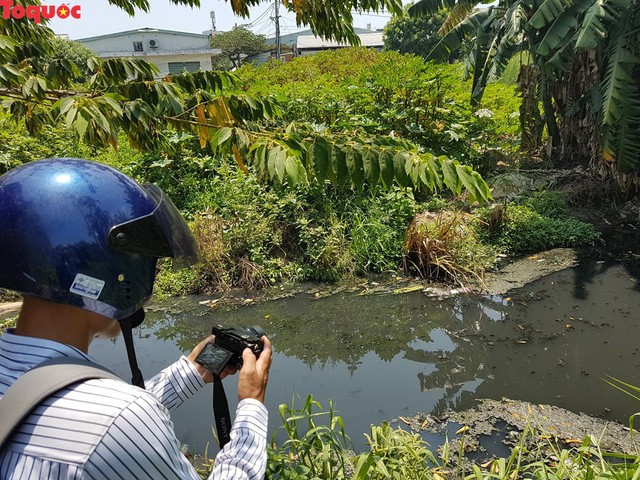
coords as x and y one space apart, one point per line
81 233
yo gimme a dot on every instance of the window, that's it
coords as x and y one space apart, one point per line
137 46
178 67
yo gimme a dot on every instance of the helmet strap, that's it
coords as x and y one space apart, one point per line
126 325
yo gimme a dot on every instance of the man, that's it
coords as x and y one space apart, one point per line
80 241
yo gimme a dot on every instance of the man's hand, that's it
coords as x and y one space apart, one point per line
205 373
254 374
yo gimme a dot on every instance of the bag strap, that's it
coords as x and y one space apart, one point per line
43 380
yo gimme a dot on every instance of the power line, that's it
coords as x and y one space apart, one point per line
260 17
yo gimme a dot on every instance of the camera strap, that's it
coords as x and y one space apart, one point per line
221 412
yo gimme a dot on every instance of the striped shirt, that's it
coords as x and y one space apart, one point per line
108 429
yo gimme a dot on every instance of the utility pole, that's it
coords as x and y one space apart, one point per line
212 14
277 20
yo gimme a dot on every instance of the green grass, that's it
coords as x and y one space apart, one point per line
316 447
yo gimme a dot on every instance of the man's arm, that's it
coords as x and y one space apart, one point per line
176 383
180 380
245 456
140 443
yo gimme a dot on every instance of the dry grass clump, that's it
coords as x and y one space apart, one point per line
443 246
218 269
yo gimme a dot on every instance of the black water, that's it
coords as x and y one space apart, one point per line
381 356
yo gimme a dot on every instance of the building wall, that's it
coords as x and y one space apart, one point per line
169 47
123 44
162 61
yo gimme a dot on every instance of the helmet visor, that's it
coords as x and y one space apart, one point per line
162 233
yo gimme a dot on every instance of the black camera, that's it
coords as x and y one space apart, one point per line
228 347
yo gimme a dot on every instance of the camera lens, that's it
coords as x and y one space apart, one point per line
258 330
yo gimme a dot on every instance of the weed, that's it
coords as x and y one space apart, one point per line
321 452
527 231
548 204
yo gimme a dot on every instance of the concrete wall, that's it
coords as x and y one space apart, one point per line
169 47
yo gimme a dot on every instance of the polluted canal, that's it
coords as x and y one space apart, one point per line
379 355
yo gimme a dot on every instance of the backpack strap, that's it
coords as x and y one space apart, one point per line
43 380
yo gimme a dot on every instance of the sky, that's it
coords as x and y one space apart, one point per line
100 18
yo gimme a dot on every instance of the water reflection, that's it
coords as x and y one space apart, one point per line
381 356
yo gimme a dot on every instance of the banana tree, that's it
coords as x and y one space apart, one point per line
556 35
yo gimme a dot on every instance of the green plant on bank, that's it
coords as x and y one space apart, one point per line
395 453
628 389
535 224
315 446
312 450
253 234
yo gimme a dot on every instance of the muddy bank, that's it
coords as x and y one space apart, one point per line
513 273
508 419
517 273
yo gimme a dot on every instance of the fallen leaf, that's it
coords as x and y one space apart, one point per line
405 421
411 288
462 430
572 440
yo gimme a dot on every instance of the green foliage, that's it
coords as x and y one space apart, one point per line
7 323
238 43
548 204
361 92
317 449
395 453
312 450
377 232
414 35
122 96
73 52
539 223
254 234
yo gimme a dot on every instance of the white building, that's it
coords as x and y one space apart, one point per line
310 44
170 51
